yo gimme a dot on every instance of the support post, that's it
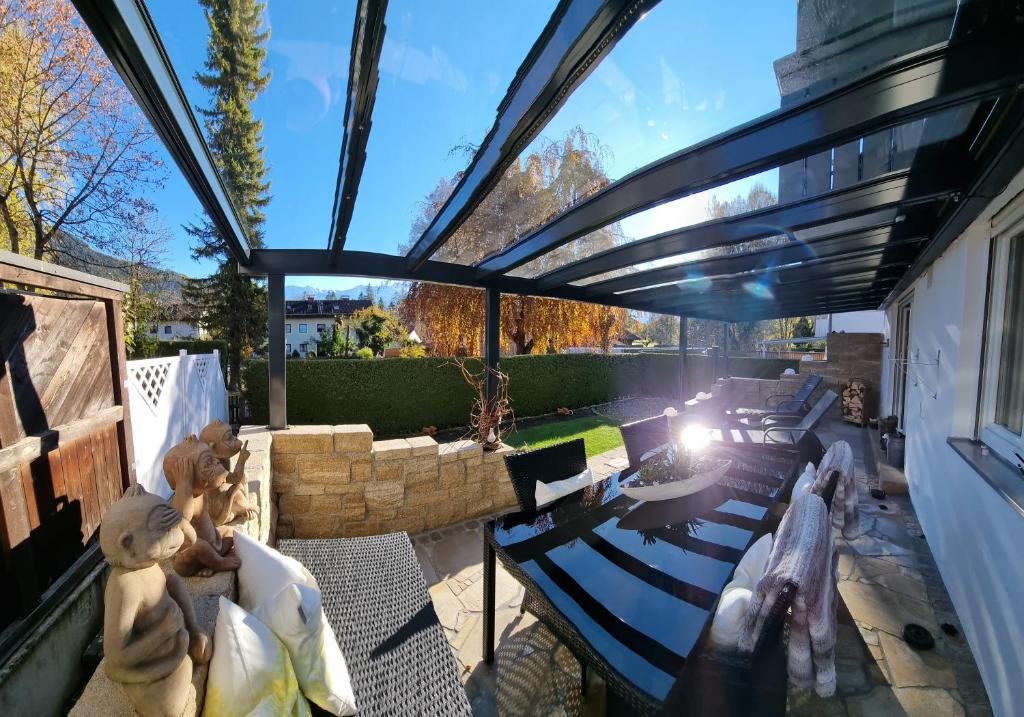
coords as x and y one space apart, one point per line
278 392
684 326
492 336
725 346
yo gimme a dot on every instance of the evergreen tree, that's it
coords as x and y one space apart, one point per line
233 306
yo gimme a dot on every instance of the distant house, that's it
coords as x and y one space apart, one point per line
309 321
176 322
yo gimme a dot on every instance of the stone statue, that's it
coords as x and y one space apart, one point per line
231 500
193 472
150 634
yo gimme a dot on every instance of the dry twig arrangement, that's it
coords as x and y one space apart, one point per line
487 416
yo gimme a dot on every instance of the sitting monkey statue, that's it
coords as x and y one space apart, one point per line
194 472
231 500
149 628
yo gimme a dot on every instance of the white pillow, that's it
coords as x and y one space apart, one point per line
250 672
296 616
653 452
728 622
753 563
804 482
545 493
265 572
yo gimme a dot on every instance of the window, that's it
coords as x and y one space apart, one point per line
302 328
1003 418
167 329
287 328
320 328
287 349
154 329
303 348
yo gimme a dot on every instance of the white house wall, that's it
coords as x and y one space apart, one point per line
974 534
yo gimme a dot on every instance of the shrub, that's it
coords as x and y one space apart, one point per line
365 353
401 395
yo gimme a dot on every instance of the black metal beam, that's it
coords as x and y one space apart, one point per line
492 341
815 252
717 301
771 310
367 41
578 35
882 197
129 38
808 271
914 86
684 337
999 157
278 390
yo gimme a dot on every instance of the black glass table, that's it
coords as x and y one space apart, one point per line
631 586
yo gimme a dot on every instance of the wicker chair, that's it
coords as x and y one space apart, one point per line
554 463
796 404
376 600
645 435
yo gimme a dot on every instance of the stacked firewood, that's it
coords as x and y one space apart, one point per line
855 395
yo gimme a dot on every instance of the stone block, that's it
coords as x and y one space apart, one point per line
304 439
360 470
328 504
318 526
388 450
388 470
384 495
422 445
323 469
353 508
474 473
427 479
425 499
282 462
353 437
452 474
291 504
459 450
308 490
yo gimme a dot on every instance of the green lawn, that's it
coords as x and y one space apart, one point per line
599 434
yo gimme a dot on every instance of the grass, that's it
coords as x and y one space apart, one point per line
599 434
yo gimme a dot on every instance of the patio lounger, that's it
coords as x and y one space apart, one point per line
800 435
798 403
376 600
550 464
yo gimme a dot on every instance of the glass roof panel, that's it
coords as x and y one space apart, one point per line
685 73
301 108
869 158
443 72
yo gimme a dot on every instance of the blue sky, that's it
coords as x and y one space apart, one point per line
687 71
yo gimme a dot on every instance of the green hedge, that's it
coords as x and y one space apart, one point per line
399 396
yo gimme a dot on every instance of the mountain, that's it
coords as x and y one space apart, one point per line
388 292
76 254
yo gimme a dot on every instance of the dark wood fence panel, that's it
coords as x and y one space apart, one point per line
64 457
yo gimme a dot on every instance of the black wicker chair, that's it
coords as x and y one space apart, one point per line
376 600
548 465
642 436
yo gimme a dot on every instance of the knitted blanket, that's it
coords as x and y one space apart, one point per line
802 556
845 513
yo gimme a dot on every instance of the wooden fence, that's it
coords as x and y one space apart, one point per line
65 437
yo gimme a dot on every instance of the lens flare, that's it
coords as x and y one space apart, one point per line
695 438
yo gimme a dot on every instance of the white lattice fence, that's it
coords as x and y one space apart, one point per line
171 398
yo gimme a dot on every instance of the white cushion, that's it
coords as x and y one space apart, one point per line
804 482
546 493
296 617
265 572
250 672
753 563
728 622
653 452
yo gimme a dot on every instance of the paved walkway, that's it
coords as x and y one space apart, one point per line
887 579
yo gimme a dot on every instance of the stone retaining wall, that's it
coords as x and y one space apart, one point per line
336 481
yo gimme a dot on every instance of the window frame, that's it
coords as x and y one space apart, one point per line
303 328
997 437
167 329
321 328
288 350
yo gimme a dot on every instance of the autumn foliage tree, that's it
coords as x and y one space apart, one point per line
531 191
76 155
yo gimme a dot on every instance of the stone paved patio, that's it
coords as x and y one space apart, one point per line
887 579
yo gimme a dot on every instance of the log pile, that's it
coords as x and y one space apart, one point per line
855 395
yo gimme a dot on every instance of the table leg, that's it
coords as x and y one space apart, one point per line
489 578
